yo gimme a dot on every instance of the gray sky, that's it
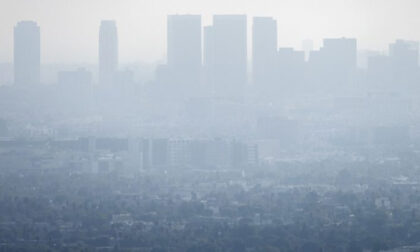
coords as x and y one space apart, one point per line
69 28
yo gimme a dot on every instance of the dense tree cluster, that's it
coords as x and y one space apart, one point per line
186 211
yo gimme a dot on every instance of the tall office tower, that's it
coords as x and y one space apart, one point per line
27 53
404 58
229 55
184 51
335 64
264 52
108 52
208 44
208 59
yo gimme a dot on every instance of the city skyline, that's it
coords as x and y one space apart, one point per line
218 56
374 24
307 45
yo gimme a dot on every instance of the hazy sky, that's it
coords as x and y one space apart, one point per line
69 28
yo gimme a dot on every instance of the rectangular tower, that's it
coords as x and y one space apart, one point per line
27 53
108 52
264 51
184 51
230 55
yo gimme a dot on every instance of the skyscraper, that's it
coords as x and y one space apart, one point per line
208 60
108 52
208 50
230 55
264 52
184 50
27 53
404 57
341 52
334 65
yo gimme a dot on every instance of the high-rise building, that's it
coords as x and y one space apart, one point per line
229 55
290 71
404 57
341 52
264 52
108 52
184 51
208 43
27 53
208 59
396 72
334 65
